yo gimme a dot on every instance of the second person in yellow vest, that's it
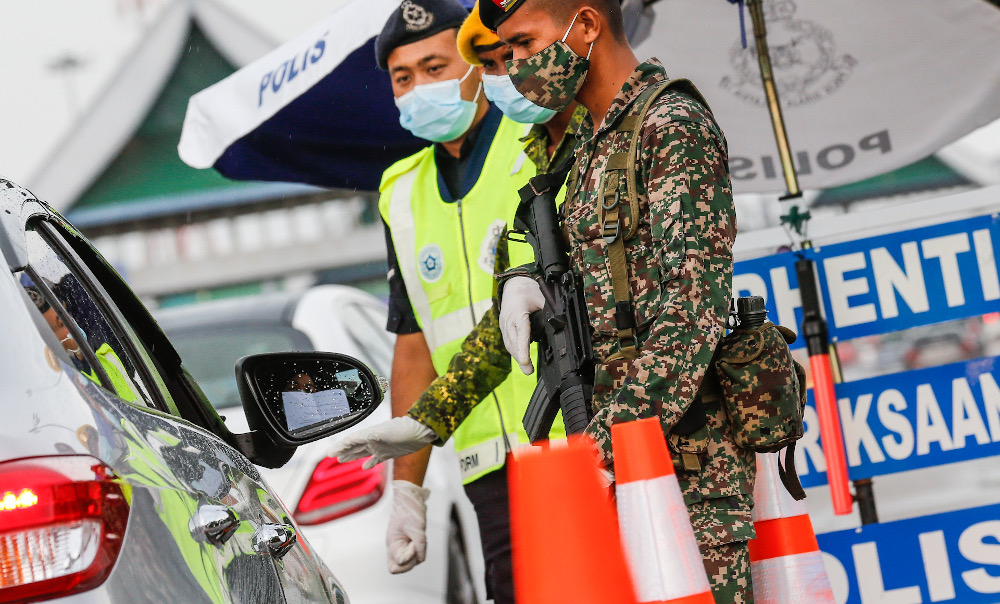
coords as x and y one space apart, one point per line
449 405
445 209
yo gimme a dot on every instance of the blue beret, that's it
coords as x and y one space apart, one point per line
415 20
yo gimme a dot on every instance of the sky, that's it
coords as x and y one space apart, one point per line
58 56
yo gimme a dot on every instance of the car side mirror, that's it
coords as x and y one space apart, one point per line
296 398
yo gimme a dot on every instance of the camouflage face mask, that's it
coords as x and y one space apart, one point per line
553 76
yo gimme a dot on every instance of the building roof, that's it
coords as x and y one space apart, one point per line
148 168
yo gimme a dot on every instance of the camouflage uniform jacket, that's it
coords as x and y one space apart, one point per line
536 142
483 363
680 268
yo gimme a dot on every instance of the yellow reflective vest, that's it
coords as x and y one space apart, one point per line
445 252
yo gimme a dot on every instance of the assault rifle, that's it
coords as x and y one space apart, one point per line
561 328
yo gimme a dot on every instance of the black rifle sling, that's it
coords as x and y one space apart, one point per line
546 181
627 165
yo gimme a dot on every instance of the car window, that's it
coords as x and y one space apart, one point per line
86 335
59 331
365 325
210 354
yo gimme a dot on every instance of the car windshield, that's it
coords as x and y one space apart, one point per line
210 354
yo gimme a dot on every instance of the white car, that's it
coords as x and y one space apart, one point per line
343 509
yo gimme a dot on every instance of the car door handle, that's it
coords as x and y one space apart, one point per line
214 524
274 539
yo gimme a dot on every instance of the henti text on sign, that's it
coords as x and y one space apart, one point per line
887 283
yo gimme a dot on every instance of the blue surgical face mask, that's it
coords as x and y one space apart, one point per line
501 91
437 112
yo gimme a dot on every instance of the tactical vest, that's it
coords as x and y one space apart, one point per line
445 252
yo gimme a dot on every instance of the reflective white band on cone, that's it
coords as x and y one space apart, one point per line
660 543
799 578
785 560
770 497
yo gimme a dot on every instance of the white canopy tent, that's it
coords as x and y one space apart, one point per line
866 87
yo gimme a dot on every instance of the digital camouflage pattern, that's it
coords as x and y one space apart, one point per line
536 142
476 370
551 77
680 267
483 362
728 569
759 382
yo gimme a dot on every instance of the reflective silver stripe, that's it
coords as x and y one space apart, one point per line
659 541
452 326
113 360
519 161
404 239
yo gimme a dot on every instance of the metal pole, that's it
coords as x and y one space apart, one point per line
773 103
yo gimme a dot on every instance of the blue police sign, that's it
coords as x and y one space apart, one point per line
952 557
887 283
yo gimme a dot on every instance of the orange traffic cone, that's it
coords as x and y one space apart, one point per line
666 563
564 538
785 559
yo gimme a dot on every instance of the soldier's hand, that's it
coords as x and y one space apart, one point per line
521 297
397 437
406 539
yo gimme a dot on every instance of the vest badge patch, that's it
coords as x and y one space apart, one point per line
488 249
430 262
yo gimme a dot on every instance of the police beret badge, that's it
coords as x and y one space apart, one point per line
414 21
416 17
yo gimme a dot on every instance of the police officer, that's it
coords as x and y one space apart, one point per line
656 265
482 363
445 208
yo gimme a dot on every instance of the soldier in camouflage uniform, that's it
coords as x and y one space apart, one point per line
678 251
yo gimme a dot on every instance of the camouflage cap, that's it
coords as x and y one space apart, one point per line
495 12
415 20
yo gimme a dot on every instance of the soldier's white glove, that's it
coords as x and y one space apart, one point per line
406 539
521 297
397 437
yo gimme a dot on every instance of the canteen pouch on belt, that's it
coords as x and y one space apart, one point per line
763 387
764 392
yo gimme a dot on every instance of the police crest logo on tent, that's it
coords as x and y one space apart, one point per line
804 56
417 18
430 262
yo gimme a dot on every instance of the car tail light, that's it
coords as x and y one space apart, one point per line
338 489
62 520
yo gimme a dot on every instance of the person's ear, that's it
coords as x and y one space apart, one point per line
591 24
